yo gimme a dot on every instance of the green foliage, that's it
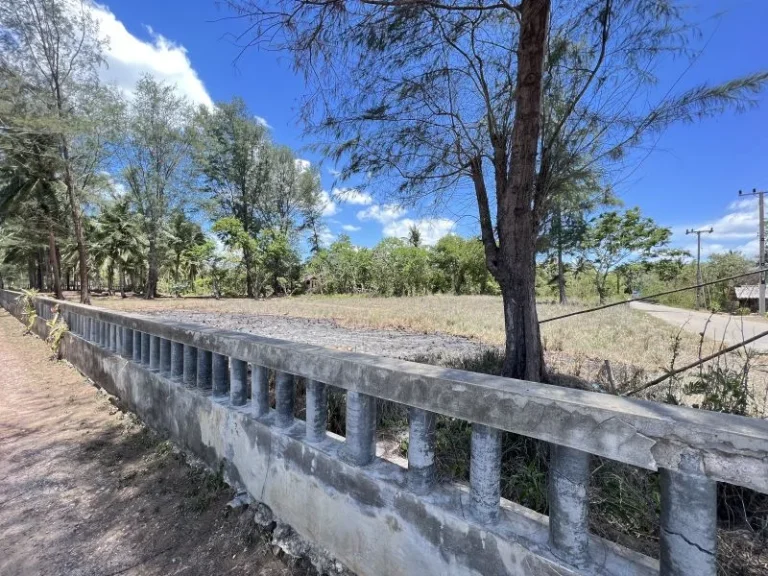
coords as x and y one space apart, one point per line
56 330
613 239
723 389
29 312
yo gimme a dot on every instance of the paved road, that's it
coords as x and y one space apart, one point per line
732 329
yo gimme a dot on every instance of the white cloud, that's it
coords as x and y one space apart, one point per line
431 229
352 196
739 222
263 121
128 58
350 228
333 172
327 203
302 165
383 213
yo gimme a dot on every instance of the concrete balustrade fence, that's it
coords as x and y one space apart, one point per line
379 518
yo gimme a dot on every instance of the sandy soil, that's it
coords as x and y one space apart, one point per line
86 490
394 343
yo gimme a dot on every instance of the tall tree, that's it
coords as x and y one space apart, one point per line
614 239
234 159
436 94
155 154
54 46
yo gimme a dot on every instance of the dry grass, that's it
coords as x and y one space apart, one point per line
618 334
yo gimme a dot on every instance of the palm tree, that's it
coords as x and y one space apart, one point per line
117 241
28 192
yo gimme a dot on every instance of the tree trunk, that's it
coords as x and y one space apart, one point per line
248 273
110 279
560 264
39 271
518 222
54 264
77 224
121 279
151 288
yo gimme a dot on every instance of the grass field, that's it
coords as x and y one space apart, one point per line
620 335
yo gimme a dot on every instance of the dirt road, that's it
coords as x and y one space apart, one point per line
85 490
732 329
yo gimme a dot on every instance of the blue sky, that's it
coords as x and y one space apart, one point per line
690 178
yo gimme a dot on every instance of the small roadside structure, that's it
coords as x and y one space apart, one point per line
748 296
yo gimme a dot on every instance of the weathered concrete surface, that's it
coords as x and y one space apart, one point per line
366 517
727 448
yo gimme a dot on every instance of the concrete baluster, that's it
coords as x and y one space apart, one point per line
189 370
485 473
204 360
146 346
103 334
137 346
177 360
569 504
421 450
238 382
113 337
688 543
156 353
285 395
260 391
220 375
164 366
360 445
317 411
126 343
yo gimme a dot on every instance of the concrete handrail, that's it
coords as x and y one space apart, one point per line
650 435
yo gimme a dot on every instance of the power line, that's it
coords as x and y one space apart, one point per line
699 278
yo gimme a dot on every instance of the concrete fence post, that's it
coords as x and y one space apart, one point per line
146 346
285 394
220 375
485 473
189 368
317 411
164 359
569 504
177 360
238 382
154 353
204 359
102 333
688 543
126 341
421 449
113 337
137 346
360 444
260 391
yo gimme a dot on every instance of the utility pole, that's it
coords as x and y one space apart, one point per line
699 278
761 235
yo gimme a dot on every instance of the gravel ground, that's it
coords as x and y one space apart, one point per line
393 343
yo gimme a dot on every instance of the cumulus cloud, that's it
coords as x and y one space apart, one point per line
129 58
352 196
383 213
328 205
431 229
737 230
302 165
263 121
350 228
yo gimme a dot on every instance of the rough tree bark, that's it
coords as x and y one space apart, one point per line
53 253
513 261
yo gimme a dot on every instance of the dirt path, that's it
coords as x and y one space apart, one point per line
394 343
85 490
